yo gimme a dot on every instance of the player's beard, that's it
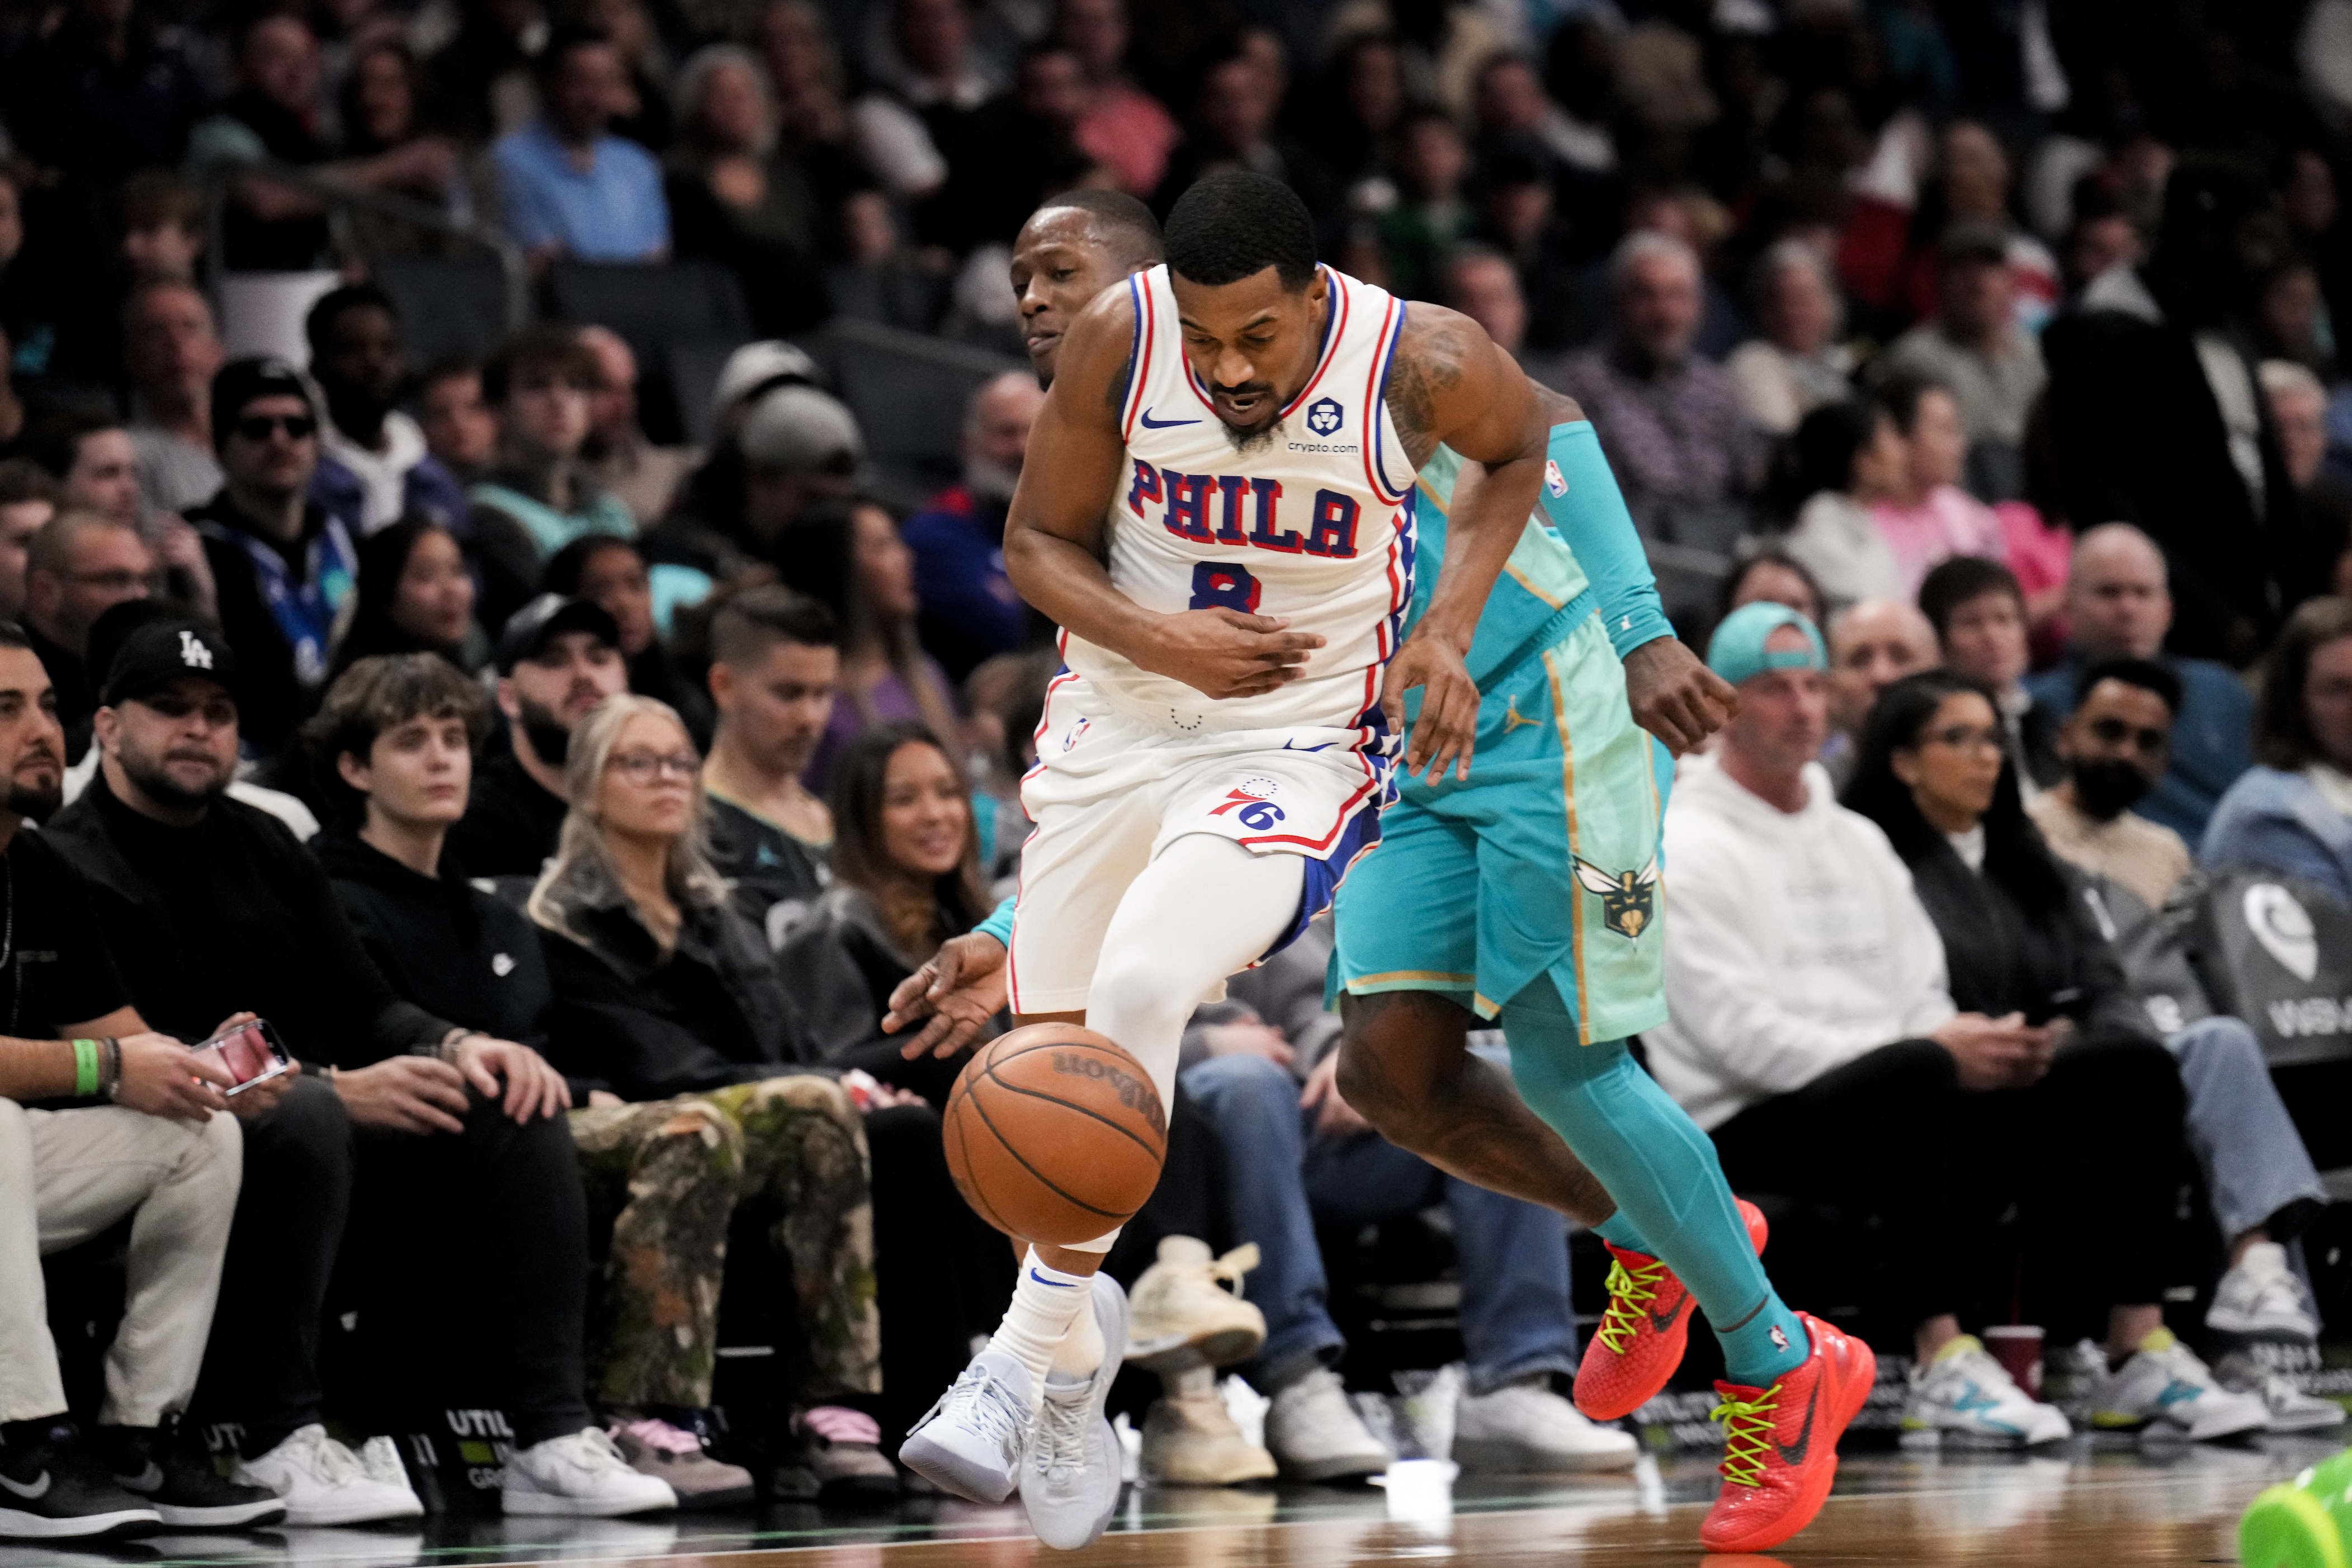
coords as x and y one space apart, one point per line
1248 441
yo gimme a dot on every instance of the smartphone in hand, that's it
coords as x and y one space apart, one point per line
251 1053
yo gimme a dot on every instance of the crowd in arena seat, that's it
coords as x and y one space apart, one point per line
567 735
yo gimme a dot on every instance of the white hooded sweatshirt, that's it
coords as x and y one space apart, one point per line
1794 943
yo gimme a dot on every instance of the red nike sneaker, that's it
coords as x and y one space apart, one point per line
1641 1338
1779 1444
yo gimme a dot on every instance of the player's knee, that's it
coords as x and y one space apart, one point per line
1374 1086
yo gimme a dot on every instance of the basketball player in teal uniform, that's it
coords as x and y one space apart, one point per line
1528 895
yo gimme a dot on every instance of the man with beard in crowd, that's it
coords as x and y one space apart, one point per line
557 658
2115 745
373 465
970 611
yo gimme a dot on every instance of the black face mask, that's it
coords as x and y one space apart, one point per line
2106 787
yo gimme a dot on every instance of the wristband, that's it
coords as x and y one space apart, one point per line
85 1068
113 1072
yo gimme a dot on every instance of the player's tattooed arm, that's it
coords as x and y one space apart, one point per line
1449 384
1056 536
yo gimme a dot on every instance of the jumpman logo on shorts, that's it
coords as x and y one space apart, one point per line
1513 718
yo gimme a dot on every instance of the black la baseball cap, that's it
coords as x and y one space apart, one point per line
161 648
532 627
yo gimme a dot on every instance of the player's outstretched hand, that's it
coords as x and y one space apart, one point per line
1223 653
959 991
1674 696
1447 729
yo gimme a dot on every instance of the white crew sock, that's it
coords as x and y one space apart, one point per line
1081 1352
1045 1304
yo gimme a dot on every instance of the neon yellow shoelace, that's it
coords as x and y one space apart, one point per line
1629 1288
1747 1436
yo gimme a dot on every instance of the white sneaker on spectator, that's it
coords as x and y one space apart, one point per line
1315 1435
582 1475
1069 1484
380 1458
970 1442
2163 1384
1964 1393
324 1483
1521 1429
1193 1440
2293 1410
2261 1296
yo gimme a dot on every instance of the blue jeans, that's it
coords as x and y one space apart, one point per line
2253 1159
1280 1178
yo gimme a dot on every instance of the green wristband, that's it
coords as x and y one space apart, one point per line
84 1068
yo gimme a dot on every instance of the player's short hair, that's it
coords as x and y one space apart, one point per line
1234 224
2144 673
750 622
1117 215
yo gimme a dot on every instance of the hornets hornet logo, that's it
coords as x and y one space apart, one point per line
1324 417
1626 896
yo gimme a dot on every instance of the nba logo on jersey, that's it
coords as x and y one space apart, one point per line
1324 417
1553 481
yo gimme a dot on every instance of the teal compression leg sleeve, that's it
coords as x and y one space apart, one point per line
1663 1171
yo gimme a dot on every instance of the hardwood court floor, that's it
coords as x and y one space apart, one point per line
2103 1503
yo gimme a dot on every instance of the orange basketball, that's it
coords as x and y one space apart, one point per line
1055 1134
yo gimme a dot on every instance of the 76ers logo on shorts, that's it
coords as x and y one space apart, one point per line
1249 805
1324 417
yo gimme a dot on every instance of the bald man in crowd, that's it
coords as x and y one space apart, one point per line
970 611
1872 644
2119 605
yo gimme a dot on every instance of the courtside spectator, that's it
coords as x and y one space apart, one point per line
1974 346
538 497
170 351
440 1148
1845 459
1806 986
1931 519
2114 746
612 572
569 186
2021 943
1872 644
905 871
1979 613
415 596
1795 363
1773 575
373 467
28 498
620 459
283 567
969 610
852 561
1293 1154
77 567
2292 813
557 659
662 989
2119 605
775 661
396 737
1670 419
163 1152
461 429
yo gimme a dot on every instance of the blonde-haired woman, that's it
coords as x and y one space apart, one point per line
667 996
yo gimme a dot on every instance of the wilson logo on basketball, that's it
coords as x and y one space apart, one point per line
1136 1094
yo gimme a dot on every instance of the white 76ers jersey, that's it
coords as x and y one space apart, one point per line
1314 522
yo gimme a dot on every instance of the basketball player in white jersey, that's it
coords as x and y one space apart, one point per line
1217 507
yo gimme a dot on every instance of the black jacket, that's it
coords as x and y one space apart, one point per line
844 965
710 1012
230 914
2001 960
271 696
511 821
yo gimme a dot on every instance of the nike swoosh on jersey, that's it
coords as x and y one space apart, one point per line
1794 1453
1151 424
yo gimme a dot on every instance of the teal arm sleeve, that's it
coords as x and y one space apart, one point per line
1586 509
998 923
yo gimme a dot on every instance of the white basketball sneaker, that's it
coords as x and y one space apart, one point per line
970 1443
1070 1482
1963 1393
